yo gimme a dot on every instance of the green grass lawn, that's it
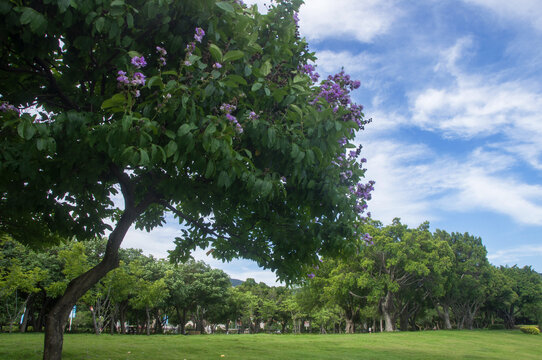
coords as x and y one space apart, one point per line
408 345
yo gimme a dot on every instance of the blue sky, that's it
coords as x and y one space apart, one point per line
455 92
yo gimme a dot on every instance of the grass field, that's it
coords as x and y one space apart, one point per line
409 345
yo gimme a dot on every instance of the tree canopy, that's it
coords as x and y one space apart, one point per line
208 110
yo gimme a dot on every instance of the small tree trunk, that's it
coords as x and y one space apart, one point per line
122 319
26 314
94 322
403 321
148 324
446 317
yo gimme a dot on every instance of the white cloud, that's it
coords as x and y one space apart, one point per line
330 62
417 184
347 19
517 255
525 11
479 105
343 19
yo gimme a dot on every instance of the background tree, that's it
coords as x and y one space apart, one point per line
201 108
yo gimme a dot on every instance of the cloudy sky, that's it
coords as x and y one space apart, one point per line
454 88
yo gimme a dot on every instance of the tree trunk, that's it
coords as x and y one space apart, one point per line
122 317
94 323
26 314
387 306
148 323
58 315
349 329
446 317
403 321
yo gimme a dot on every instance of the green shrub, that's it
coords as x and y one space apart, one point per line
530 329
496 327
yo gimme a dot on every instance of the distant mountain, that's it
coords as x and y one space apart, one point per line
235 282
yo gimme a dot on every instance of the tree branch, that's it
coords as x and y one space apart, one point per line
54 85
195 222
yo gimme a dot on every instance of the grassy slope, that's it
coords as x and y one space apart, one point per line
412 345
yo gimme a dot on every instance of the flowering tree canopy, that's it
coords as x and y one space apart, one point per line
204 109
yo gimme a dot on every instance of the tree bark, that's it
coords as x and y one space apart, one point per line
349 329
148 323
94 322
57 317
387 306
26 314
122 317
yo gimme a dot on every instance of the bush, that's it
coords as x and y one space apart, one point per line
496 327
530 329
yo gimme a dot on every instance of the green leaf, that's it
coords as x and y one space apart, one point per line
117 100
266 68
295 151
133 53
210 169
41 144
126 122
211 129
117 3
154 81
171 148
300 157
26 130
233 55
130 20
184 129
144 160
215 51
238 79
28 16
225 6
297 109
209 89
170 134
223 179
100 24
256 86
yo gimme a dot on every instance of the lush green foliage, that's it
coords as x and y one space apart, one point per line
221 125
422 345
533 330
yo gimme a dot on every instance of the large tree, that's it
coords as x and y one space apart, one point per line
204 109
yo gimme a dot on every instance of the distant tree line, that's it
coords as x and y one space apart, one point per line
397 278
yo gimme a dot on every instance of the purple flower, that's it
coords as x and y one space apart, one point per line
139 61
187 63
227 108
217 65
190 47
5 107
122 78
138 79
137 93
198 36
296 18
161 51
162 61
253 115
311 276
